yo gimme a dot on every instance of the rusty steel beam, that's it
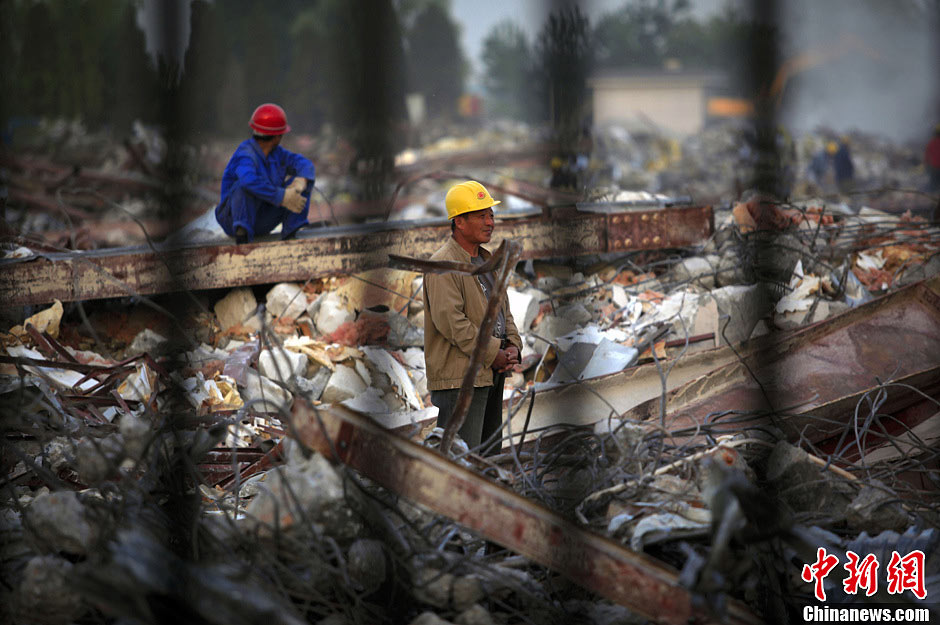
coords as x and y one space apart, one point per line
808 383
331 251
632 579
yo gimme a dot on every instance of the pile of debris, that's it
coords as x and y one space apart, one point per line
156 454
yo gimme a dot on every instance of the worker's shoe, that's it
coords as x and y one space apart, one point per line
241 235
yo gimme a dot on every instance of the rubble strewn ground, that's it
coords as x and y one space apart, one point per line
150 472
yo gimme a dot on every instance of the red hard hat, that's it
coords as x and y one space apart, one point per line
269 119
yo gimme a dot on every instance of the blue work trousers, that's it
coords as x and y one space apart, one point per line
258 217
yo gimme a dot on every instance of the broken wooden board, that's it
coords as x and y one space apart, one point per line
809 383
646 586
330 251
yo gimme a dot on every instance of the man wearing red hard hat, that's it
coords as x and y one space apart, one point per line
263 184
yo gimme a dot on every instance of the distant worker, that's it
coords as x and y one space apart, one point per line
263 184
843 167
822 168
932 161
455 306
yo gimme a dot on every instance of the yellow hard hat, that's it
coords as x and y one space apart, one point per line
466 197
832 147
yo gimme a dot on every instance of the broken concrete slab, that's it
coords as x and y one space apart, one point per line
524 306
313 387
312 491
367 564
286 300
147 341
550 328
331 313
343 384
281 364
262 394
875 509
56 522
238 307
805 486
745 306
46 593
695 269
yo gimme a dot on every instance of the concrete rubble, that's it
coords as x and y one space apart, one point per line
128 430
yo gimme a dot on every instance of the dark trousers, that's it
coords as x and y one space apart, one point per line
484 418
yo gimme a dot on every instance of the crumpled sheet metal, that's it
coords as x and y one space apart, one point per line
810 380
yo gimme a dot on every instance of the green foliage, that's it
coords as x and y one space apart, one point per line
508 68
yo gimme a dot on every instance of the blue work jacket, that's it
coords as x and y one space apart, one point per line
263 177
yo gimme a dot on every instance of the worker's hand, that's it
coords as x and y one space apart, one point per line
505 360
513 352
293 200
298 183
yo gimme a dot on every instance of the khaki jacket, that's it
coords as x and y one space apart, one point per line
454 307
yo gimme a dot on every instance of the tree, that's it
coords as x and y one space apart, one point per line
638 34
38 68
202 80
435 61
564 58
507 60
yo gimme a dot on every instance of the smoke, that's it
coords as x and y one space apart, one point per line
871 66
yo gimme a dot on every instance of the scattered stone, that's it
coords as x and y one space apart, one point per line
147 341
619 296
429 618
524 306
343 384
696 270
466 591
97 459
136 432
575 313
730 269
550 328
281 364
45 594
433 587
804 485
312 387
474 615
331 313
366 563
745 306
57 522
286 300
263 394
404 333
59 453
875 510
311 491
238 307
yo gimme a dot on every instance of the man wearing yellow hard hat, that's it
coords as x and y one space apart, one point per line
454 308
